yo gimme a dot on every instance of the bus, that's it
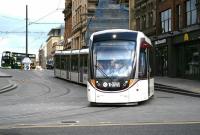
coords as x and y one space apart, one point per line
116 67
14 60
6 59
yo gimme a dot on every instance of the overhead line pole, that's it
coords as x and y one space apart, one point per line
26 30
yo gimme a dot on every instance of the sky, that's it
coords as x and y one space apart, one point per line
13 23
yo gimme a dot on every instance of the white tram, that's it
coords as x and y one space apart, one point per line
116 67
72 65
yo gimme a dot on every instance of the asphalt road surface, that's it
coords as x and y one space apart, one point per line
42 104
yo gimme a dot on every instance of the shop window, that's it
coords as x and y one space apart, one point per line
192 62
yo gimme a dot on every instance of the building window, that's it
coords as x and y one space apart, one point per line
178 17
166 21
150 19
138 23
143 22
191 12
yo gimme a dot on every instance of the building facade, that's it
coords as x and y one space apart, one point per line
68 25
145 16
82 10
132 20
174 28
177 47
78 15
55 37
43 55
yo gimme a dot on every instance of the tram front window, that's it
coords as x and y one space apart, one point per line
113 59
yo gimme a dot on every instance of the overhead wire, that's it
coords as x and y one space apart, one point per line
16 31
43 17
34 22
11 18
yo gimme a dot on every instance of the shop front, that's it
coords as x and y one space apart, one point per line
161 56
187 47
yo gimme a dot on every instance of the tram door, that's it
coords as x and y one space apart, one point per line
145 68
161 61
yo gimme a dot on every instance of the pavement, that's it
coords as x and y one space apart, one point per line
178 85
6 83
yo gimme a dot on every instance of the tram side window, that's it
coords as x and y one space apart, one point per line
67 63
62 66
83 63
74 63
57 61
142 64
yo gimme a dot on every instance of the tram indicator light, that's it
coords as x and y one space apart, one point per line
144 44
93 82
132 82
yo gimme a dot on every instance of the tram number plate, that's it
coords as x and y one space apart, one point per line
111 84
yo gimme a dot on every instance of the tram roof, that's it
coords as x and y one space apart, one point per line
82 51
62 52
113 30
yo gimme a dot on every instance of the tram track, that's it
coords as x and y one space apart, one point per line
52 92
47 92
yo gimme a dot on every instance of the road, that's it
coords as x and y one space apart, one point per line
42 104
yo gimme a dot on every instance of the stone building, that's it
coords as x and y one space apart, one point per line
78 15
82 10
174 28
42 55
55 37
145 16
68 24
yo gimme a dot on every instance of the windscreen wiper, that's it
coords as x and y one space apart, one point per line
102 72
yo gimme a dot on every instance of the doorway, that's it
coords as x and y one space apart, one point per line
161 62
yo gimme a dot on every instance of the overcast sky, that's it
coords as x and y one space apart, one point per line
13 23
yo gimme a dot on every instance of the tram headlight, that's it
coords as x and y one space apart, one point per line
3 61
125 83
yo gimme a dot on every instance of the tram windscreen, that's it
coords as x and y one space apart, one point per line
113 59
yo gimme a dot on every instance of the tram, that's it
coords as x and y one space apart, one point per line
116 67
